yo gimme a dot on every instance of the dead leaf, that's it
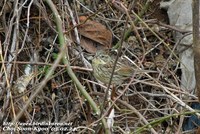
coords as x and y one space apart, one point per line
91 46
94 35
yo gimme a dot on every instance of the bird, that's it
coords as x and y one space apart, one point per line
103 63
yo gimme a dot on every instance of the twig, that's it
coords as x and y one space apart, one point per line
196 42
66 62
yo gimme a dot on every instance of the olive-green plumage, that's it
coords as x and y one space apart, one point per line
103 65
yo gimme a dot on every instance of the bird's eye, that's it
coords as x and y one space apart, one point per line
105 58
102 56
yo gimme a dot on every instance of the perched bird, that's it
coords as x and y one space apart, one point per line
103 65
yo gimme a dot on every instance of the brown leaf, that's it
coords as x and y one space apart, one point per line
91 46
96 32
